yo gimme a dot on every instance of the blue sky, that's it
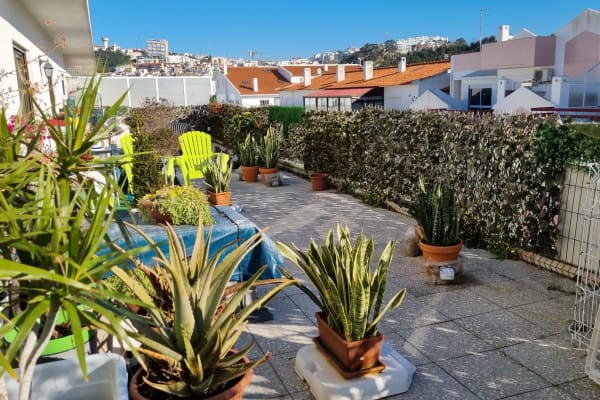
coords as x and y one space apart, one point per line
232 28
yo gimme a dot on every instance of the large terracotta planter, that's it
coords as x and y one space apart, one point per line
250 174
318 181
440 253
264 174
233 391
360 355
158 217
219 199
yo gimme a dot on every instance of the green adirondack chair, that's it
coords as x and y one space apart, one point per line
196 149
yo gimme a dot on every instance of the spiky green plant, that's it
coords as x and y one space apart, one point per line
181 203
218 174
434 207
187 345
269 147
350 295
248 152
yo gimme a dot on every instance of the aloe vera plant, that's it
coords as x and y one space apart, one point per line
187 337
349 294
434 207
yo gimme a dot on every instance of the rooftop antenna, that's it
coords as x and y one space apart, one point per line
481 10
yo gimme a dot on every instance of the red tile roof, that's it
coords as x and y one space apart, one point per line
388 76
269 80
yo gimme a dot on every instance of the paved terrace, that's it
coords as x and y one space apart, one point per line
502 334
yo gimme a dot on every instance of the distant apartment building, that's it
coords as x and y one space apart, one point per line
525 71
158 48
420 42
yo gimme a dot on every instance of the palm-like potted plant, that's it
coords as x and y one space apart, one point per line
178 205
217 178
438 216
269 151
248 157
53 236
188 337
349 294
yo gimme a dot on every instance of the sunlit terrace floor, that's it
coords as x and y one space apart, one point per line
501 334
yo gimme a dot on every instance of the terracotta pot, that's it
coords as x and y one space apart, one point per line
233 391
250 173
264 172
318 181
159 217
219 199
351 356
440 253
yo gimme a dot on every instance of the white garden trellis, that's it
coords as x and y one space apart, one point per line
585 330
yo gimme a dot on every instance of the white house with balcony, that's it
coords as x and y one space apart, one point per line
559 70
42 40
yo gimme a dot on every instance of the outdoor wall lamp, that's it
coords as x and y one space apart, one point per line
48 71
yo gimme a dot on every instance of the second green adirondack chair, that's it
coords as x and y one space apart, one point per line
196 149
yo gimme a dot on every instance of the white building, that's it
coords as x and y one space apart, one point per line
30 30
563 69
158 48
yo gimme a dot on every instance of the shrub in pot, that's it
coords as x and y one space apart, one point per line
438 216
178 205
188 334
349 294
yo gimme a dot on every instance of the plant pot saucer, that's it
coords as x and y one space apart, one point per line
377 368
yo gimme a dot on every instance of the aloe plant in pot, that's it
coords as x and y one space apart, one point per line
435 210
188 337
349 294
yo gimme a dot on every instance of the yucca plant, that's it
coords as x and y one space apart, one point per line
188 337
217 175
350 294
435 209
54 218
269 147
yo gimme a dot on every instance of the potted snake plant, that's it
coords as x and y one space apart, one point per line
269 151
217 178
248 157
438 216
349 295
189 332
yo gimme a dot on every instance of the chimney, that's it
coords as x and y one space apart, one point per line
307 76
503 33
341 72
402 64
326 66
224 69
368 70
255 84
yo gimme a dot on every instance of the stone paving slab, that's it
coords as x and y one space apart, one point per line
553 358
459 303
493 375
582 389
443 341
501 328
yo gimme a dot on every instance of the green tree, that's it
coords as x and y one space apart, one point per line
108 60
